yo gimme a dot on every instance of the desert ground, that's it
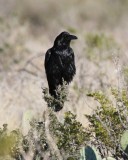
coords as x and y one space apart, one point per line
28 28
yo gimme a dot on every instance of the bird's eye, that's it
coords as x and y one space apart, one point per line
65 36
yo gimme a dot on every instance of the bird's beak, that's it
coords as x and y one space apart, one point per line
73 37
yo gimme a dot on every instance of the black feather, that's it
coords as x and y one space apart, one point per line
60 63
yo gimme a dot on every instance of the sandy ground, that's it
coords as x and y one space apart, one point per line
26 37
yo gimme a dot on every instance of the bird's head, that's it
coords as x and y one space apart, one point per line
64 39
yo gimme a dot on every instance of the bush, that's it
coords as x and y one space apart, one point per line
108 122
51 139
98 45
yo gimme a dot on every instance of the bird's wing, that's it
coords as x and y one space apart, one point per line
52 71
59 62
47 57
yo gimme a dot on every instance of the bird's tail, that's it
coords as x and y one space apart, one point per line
57 107
53 101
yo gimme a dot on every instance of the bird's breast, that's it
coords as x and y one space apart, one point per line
66 57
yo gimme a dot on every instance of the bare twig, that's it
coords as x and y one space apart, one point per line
52 143
30 62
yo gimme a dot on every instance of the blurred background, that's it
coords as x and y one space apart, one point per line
28 28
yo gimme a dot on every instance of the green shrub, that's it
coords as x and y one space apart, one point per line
98 46
109 121
104 134
70 135
124 141
8 141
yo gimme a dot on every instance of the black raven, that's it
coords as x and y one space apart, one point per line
60 63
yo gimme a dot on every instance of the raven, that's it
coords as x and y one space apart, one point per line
60 63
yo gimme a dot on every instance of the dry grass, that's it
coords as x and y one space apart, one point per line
28 30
